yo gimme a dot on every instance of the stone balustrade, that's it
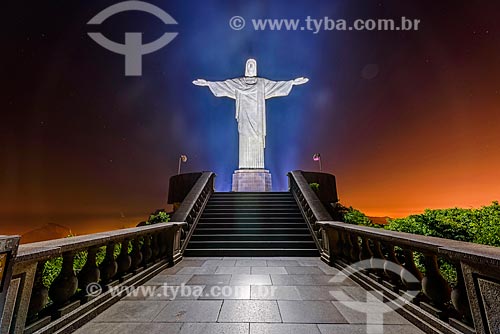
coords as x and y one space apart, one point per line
67 302
193 205
470 306
311 207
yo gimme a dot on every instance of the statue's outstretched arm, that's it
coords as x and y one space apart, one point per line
200 82
300 81
225 88
281 88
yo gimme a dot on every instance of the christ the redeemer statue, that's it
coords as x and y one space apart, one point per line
250 93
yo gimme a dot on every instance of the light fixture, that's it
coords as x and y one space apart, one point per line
317 157
182 158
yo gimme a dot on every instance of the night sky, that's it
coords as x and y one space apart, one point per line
405 120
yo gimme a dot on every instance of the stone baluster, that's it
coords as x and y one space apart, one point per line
354 246
409 264
65 284
365 253
136 254
146 251
433 284
39 293
124 261
161 243
155 249
378 254
459 296
108 266
391 257
90 272
346 249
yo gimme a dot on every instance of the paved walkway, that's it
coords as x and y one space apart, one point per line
244 295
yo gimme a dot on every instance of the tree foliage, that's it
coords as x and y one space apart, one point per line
480 225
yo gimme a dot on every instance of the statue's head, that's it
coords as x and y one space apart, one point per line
251 68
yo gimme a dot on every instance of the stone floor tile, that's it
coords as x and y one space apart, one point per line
292 279
226 292
189 262
299 258
172 292
282 263
356 313
356 293
132 311
308 279
274 292
233 270
250 280
313 312
321 292
249 311
171 271
190 311
258 328
210 280
141 292
304 270
251 263
220 263
307 262
328 270
198 270
362 329
129 328
169 280
267 270
215 328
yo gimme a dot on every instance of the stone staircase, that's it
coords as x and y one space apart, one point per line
251 224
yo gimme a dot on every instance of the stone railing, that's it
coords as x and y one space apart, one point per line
311 207
131 256
193 205
472 305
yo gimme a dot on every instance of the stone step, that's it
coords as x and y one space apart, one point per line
262 225
252 244
261 215
268 230
251 252
250 237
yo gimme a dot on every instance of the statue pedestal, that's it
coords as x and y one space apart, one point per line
251 180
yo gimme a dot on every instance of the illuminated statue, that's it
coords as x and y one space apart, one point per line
250 93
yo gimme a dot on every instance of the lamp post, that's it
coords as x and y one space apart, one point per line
317 157
182 158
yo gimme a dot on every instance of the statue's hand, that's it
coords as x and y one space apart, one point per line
200 82
300 81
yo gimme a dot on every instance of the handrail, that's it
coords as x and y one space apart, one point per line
477 266
144 251
310 206
193 205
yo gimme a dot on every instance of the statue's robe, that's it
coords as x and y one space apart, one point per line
250 94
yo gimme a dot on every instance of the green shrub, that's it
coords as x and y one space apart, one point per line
159 216
314 186
356 217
